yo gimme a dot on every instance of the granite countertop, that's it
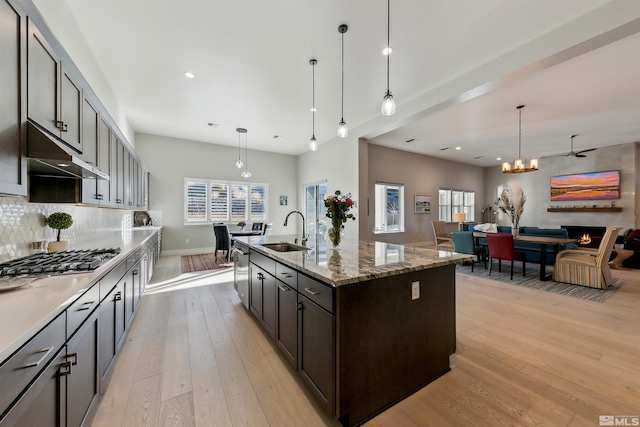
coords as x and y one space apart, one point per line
28 309
357 261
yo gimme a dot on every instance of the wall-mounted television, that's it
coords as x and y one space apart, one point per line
586 186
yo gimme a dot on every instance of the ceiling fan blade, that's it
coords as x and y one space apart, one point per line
586 151
556 155
580 155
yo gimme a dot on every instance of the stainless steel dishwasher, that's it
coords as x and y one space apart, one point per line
241 272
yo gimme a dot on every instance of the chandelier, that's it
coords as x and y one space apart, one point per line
519 165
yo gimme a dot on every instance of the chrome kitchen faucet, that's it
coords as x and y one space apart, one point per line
304 226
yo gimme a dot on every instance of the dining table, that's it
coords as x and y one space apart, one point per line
237 233
543 241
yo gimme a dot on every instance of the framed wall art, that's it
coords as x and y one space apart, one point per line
586 186
423 204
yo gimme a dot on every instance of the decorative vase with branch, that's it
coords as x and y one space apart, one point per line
59 221
511 202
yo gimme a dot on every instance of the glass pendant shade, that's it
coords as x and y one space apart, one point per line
388 105
313 145
246 174
239 163
343 130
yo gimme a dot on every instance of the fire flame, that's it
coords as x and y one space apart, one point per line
585 239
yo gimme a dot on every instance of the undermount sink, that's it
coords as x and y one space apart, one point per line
284 247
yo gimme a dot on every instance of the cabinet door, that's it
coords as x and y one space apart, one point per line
103 159
120 200
316 350
269 305
287 324
71 111
126 176
114 183
136 280
43 82
43 403
82 382
128 297
255 287
90 121
13 170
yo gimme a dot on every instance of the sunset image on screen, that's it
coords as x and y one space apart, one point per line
586 186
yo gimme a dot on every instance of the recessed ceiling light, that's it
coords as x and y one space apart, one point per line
458 148
278 137
188 74
213 125
499 158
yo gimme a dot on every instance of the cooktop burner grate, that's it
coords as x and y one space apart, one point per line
57 262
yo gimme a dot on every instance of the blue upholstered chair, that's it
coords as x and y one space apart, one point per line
464 244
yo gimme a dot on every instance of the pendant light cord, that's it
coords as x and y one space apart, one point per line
520 130
342 100
388 42
313 96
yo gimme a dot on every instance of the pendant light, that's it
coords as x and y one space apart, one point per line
388 103
245 173
313 145
239 163
519 164
343 130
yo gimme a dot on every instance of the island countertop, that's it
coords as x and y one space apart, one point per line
357 261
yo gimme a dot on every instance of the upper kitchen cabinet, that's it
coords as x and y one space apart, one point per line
54 97
13 67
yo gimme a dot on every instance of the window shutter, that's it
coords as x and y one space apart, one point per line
219 202
196 203
258 203
239 202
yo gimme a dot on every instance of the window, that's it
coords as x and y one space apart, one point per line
315 210
454 201
221 201
389 208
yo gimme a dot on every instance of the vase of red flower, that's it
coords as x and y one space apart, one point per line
338 206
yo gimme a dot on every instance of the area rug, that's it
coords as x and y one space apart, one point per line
202 262
531 280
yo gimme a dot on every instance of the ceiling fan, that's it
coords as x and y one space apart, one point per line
572 153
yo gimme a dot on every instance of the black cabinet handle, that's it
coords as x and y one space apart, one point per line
135 272
61 125
117 296
99 196
260 276
65 369
118 201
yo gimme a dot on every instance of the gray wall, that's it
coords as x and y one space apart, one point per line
421 175
170 160
536 187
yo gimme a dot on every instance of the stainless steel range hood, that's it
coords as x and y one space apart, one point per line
49 156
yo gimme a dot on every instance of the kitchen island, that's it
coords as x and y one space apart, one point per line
364 327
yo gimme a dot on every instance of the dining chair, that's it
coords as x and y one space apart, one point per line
464 244
223 241
587 267
444 241
501 248
267 229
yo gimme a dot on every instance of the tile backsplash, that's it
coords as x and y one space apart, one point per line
22 223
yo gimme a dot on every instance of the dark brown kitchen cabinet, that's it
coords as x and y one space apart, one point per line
54 97
316 351
262 298
287 324
82 382
13 69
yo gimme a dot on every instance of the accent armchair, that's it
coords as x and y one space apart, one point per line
587 267
444 242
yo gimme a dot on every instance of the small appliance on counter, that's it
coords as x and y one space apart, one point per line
141 219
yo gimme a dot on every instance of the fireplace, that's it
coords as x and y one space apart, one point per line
579 231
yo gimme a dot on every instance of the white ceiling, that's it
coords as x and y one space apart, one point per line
251 66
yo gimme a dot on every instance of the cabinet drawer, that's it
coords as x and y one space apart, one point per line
264 262
316 291
287 275
21 368
82 308
133 258
111 279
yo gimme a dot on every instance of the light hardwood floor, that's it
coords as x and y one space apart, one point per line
196 356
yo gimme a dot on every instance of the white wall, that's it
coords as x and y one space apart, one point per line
335 162
536 187
420 175
170 160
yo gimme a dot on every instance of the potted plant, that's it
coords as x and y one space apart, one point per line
59 221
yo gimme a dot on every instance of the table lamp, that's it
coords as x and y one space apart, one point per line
459 218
